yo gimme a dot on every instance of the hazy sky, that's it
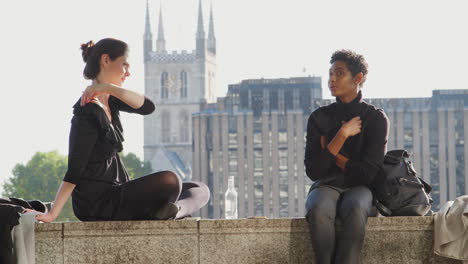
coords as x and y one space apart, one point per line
412 47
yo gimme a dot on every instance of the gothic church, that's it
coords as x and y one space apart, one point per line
179 82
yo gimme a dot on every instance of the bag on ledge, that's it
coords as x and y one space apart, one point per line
398 191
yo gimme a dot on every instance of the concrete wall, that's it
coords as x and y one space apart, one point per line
388 240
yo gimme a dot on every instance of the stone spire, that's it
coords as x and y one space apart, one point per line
200 26
201 41
147 36
160 42
211 34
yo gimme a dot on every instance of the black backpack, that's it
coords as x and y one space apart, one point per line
398 191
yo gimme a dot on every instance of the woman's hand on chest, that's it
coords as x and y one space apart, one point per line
351 127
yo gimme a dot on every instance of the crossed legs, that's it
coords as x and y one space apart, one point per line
141 197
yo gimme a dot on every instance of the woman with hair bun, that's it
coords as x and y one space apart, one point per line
96 177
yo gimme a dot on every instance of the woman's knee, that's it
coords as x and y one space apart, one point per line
204 190
355 208
318 213
170 178
321 203
319 210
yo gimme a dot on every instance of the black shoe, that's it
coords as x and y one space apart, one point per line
166 212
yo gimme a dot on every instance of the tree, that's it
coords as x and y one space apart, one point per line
39 179
135 167
41 176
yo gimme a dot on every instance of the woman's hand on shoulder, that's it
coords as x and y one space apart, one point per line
94 90
352 127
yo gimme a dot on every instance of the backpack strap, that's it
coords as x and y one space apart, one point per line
427 187
383 210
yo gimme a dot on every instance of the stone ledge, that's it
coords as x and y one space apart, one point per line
284 240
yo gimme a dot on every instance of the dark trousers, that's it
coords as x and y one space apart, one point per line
350 208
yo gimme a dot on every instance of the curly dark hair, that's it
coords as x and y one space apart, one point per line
354 62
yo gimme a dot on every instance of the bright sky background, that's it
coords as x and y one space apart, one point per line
412 47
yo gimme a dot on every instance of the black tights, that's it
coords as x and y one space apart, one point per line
142 197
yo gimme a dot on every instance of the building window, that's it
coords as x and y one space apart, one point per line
274 100
183 82
408 119
257 140
233 161
434 167
232 140
282 123
408 136
433 129
258 160
244 99
164 85
257 102
166 127
460 171
184 126
305 100
288 100
282 139
459 128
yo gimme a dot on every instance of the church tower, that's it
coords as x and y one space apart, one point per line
178 82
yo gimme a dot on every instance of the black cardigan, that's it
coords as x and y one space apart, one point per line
93 161
365 150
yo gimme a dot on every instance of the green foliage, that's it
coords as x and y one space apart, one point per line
40 178
135 167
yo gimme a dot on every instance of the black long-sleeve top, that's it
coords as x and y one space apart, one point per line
365 150
93 163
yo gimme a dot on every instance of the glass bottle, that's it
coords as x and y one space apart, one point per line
230 200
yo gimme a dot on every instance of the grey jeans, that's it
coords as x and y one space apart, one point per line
351 207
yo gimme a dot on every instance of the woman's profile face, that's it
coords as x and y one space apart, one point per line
341 82
117 70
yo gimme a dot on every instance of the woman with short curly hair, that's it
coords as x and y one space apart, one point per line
345 147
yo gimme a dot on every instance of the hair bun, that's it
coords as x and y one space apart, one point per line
86 50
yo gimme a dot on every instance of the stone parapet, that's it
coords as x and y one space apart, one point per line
285 240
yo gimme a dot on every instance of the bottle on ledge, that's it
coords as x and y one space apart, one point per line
230 200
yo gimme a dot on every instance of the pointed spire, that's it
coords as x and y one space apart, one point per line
211 34
161 25
160 42
147 35
200 30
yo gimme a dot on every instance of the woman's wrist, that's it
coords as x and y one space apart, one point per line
111 89
341 133
54 212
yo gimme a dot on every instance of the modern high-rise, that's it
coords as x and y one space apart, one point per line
257 134
179 82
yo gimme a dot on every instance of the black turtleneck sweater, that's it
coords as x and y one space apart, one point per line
365 150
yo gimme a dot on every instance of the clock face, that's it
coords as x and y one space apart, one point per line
173 83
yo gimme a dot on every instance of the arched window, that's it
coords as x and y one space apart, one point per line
165 127
183 84
164 85
184 126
